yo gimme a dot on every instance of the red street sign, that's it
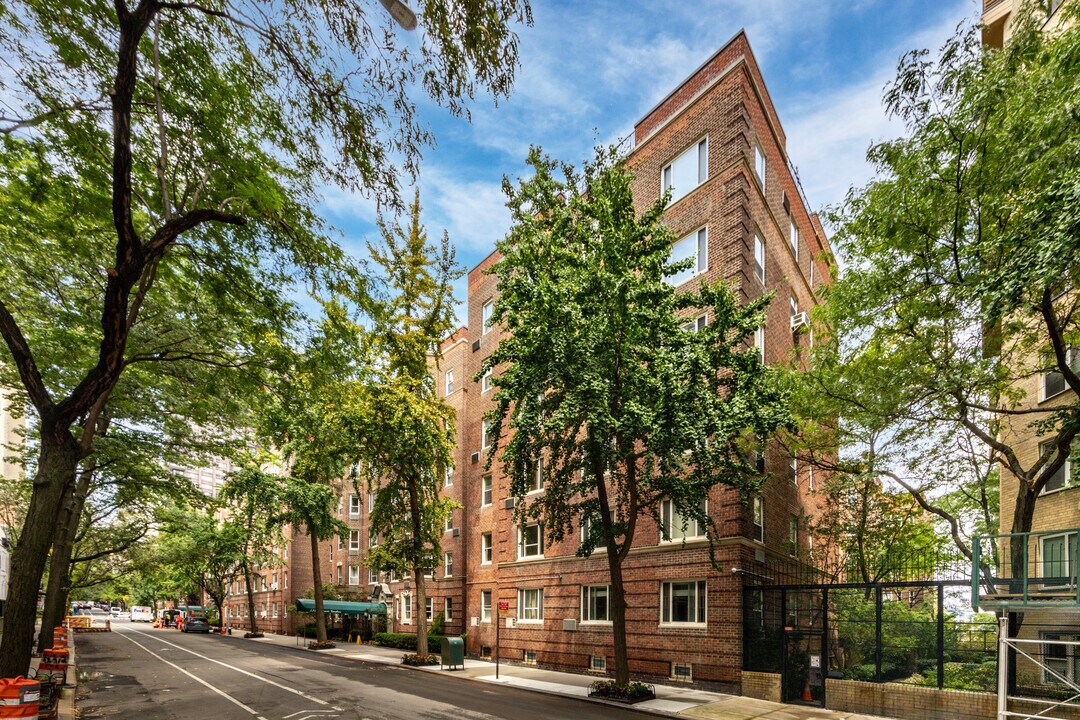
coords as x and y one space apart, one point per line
504 605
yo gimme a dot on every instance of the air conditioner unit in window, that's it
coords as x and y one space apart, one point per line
510 502
455 532
475 345
475 458
569 624
799 320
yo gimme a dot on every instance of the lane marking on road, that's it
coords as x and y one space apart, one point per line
286 688
301 712
197 679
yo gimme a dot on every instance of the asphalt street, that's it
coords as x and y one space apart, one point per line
139 672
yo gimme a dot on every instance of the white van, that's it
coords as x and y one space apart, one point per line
142 614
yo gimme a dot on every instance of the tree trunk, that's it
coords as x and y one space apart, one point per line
58 459
252 623
1023 515
618 593
421 615
67 529
316 577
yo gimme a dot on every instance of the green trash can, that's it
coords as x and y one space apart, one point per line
452 654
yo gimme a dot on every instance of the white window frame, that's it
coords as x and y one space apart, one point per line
485 430
487 381
523 547
448 564
598 663
406 609
487 548
761 165
429 608
1072 356
757 518
759 257
696 324
793 535
449 523
486 311
587 607
448 479
1068 540
759 341
537 485
697 156
448 608
1065 470
700 592
530 614
354 541
794 237
487 490
485 606
370 502
354 574
1071 669
450 382
700 240
669 513
354 506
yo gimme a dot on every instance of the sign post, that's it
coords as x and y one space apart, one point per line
504 608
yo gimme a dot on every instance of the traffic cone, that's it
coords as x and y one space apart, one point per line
806 696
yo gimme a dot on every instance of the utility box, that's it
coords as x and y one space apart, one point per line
452 654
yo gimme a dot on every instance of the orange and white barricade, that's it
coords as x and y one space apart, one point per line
19 698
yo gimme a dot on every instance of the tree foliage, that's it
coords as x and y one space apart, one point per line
598 385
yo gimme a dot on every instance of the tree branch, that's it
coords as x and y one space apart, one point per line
24 361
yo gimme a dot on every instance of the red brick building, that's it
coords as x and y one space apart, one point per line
736 207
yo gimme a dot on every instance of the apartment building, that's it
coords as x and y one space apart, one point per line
717 141
998 17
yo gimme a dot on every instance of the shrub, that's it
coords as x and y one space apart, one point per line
633 692
406 641
416 661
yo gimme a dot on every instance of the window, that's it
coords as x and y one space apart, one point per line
354 574
354 506
757 608
1056 560
485 317
1061 479
370 502
598 663
586 525
449 382
530 542
354 541
687 171
1053 382
697 324
759 341
406 609
682 602
449 523
485 491
485 605
448 564
694 246
793 534
339 575
448 481
683 672
485 434
594 603
485 549
758 530
793 469
537 484
793 238
794 306
759 164
429 608
274 610
1062 662
373 539
448 609
486 382
529 657
530 605
677 527
759 258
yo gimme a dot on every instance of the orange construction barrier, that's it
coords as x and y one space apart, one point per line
19 698
54 661
60 637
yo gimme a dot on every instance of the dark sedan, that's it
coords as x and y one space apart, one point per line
196 624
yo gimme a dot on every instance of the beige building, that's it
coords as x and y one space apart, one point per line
998 17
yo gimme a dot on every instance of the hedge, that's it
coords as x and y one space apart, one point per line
406 641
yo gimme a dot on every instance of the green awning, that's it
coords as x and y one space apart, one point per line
343 607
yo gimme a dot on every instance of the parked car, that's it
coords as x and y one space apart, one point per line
196 624
141 613
115 611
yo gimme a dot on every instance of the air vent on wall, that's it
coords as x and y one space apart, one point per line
510 502
455 532
475 345
569 624
475 458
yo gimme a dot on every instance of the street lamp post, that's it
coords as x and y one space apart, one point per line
402 14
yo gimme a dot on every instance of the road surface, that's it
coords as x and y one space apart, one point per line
140 672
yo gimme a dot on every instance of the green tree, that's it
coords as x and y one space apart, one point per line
405 431
962 259
222 122
599 385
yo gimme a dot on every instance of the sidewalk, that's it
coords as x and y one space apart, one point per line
670 701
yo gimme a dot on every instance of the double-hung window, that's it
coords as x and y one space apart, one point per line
448 564
1053 381
594 603
406 609
486 382
793 535
448 480
758 521
485 434
537 480
485 606
530 605
485 549
1057 564
449 382
687 171
759 341
530 542
354 541
793 239
354 574
1062 478
678 527
683 602
485 316
759 257
354 506
429 608
485 490
448 609
759 164
695 247
1061 662
697 324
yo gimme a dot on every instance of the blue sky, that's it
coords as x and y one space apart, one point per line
591 68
